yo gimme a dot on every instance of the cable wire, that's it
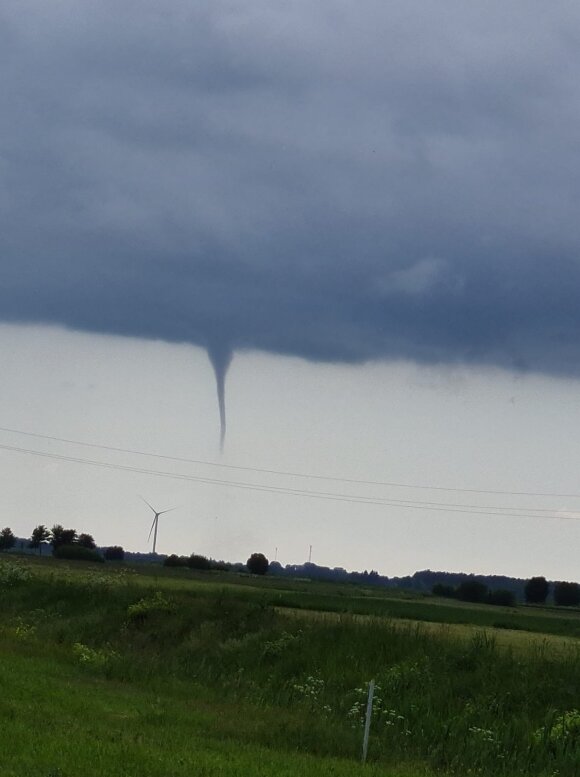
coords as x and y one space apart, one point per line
348 498
353 481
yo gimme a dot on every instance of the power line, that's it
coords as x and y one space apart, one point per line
348 498
286 473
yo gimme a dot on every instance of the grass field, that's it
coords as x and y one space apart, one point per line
111 671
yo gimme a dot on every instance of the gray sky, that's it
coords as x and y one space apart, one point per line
386 185
398 422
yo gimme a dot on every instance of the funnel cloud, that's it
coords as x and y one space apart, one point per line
221 357
338 182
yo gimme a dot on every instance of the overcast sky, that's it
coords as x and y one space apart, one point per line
371 205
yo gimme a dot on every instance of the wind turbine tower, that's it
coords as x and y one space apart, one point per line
155 523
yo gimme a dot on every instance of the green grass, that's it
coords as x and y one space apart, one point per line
59 721
112 672
342 598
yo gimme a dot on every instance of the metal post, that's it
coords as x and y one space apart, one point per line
368 721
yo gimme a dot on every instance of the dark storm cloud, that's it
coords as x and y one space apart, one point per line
339 180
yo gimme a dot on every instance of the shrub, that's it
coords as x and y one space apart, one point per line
198 562
441 589
12 575
114 553
90 657
220 566
175 561
472 591
567 594
506 624
502 598
78 553
563 731
138 612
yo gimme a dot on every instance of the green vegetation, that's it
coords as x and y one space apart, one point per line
172 672
258 564
567 594
78 553
476 592
536 590
195 561
7 539
114 553
39 535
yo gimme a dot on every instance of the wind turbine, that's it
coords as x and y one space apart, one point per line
155 523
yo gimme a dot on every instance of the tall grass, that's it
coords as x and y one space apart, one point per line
455 705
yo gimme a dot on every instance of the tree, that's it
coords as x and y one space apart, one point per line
114 553
472 591
196 561
60 536
567 594
441 589
7 539
258 564
220 566
502 597
536 590
78 553
39 535
86 541
175 561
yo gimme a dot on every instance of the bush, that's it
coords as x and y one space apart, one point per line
441 589
78 553
114 553
93 658
502 598
12 575
567 594
198 562
220 566
175 561
472 591
158 602
563 731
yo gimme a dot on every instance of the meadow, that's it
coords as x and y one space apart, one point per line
144 671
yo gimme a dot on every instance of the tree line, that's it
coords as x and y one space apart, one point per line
257 564
68 543
65 543
565 594
536 591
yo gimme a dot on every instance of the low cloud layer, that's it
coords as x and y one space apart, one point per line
341 181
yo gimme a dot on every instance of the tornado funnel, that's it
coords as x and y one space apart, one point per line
220 357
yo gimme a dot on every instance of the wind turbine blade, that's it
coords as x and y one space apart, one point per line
167 511
146 502
151 529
